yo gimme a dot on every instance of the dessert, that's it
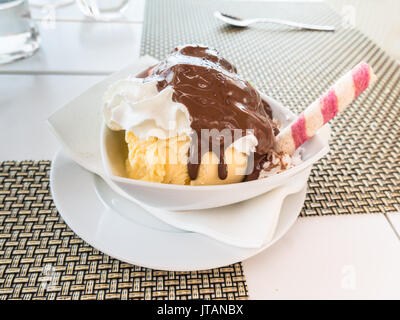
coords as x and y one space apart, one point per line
192 120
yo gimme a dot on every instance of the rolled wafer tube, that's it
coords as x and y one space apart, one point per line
338 97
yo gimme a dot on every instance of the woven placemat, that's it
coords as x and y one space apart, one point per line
42 258
362 172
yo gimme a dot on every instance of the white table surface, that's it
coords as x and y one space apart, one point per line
320 257
81 48
26 101
343 257
394 220
132 14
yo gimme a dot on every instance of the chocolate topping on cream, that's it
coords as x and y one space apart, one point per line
216 98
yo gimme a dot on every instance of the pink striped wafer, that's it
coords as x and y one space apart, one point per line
338 97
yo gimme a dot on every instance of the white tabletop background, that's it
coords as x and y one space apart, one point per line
320 257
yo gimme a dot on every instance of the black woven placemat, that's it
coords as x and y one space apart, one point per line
362 172
42 258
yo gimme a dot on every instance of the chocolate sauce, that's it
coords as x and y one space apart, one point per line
216 98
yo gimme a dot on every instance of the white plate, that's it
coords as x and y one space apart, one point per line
124 230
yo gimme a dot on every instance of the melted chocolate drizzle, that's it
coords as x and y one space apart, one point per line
216 98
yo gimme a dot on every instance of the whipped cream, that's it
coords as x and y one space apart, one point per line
246 144
137 106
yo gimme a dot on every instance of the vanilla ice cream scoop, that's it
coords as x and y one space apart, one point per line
165 161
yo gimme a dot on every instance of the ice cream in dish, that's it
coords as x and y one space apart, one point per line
191 119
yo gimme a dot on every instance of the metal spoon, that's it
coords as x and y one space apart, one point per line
244 23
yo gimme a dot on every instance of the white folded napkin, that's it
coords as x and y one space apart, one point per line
248 224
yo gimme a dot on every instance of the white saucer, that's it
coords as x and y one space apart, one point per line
106 221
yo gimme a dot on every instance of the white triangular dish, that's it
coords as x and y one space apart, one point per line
78 126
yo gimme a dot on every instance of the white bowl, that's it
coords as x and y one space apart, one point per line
177 197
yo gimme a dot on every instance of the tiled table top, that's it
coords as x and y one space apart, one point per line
26 102
133 12
362 258
81 48
394 220
344 257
